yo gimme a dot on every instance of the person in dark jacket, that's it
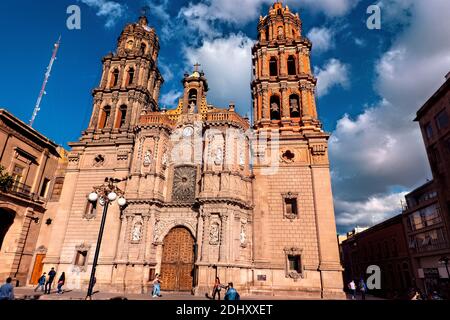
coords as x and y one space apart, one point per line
61 281
216 289
51 277
41 283
232 294
7 290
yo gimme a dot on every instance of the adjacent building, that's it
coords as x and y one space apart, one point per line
385 246
31 159
204 197
427 215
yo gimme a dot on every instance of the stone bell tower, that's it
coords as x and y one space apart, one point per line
130 82
283 86
295 248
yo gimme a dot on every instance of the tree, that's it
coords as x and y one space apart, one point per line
6 180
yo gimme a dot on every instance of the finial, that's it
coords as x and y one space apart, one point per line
196 66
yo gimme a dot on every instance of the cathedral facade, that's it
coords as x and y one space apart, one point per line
208 192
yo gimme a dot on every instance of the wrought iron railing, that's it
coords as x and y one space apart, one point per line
19 189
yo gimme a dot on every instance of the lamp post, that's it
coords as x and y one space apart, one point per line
104 194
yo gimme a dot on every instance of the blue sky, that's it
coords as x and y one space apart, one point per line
370 82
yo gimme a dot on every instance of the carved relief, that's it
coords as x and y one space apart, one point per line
214 234
184 180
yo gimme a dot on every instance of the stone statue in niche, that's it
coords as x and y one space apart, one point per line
214 234
242 235
241 157
147 158
280 33
137 232
218 156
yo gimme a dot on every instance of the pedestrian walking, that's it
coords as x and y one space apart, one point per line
216 289
41 283
51 277
7 290
352 288
231 294
416 296
61 281
362 288
157 286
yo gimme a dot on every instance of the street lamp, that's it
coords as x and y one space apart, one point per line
444 261
104 194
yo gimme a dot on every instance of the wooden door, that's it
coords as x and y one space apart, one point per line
37 269
177 263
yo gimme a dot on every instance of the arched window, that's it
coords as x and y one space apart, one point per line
114 78
273 67
104 117
122 117
192 97
294 106
274 107
130 77
143 48
291 66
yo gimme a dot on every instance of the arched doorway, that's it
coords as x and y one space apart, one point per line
6 220
177 265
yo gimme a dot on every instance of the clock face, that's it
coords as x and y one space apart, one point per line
188 131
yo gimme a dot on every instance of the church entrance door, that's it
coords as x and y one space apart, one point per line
177 265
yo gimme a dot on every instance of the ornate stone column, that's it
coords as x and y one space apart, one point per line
121 73
283 62
265 104
126 238
106 68
284 101
223 237
206 216
143 243
137 72
150 235
264 62
123 229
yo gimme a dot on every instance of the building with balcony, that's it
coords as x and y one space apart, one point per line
383 245
31 159
427 212
427 237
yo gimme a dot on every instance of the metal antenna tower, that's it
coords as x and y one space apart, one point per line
44 84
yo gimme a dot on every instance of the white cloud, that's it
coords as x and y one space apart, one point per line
227 66
369 212
332 8
110 9
322 39
334 73
382 149
205 16
170 99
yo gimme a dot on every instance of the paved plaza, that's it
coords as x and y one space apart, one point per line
28 293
